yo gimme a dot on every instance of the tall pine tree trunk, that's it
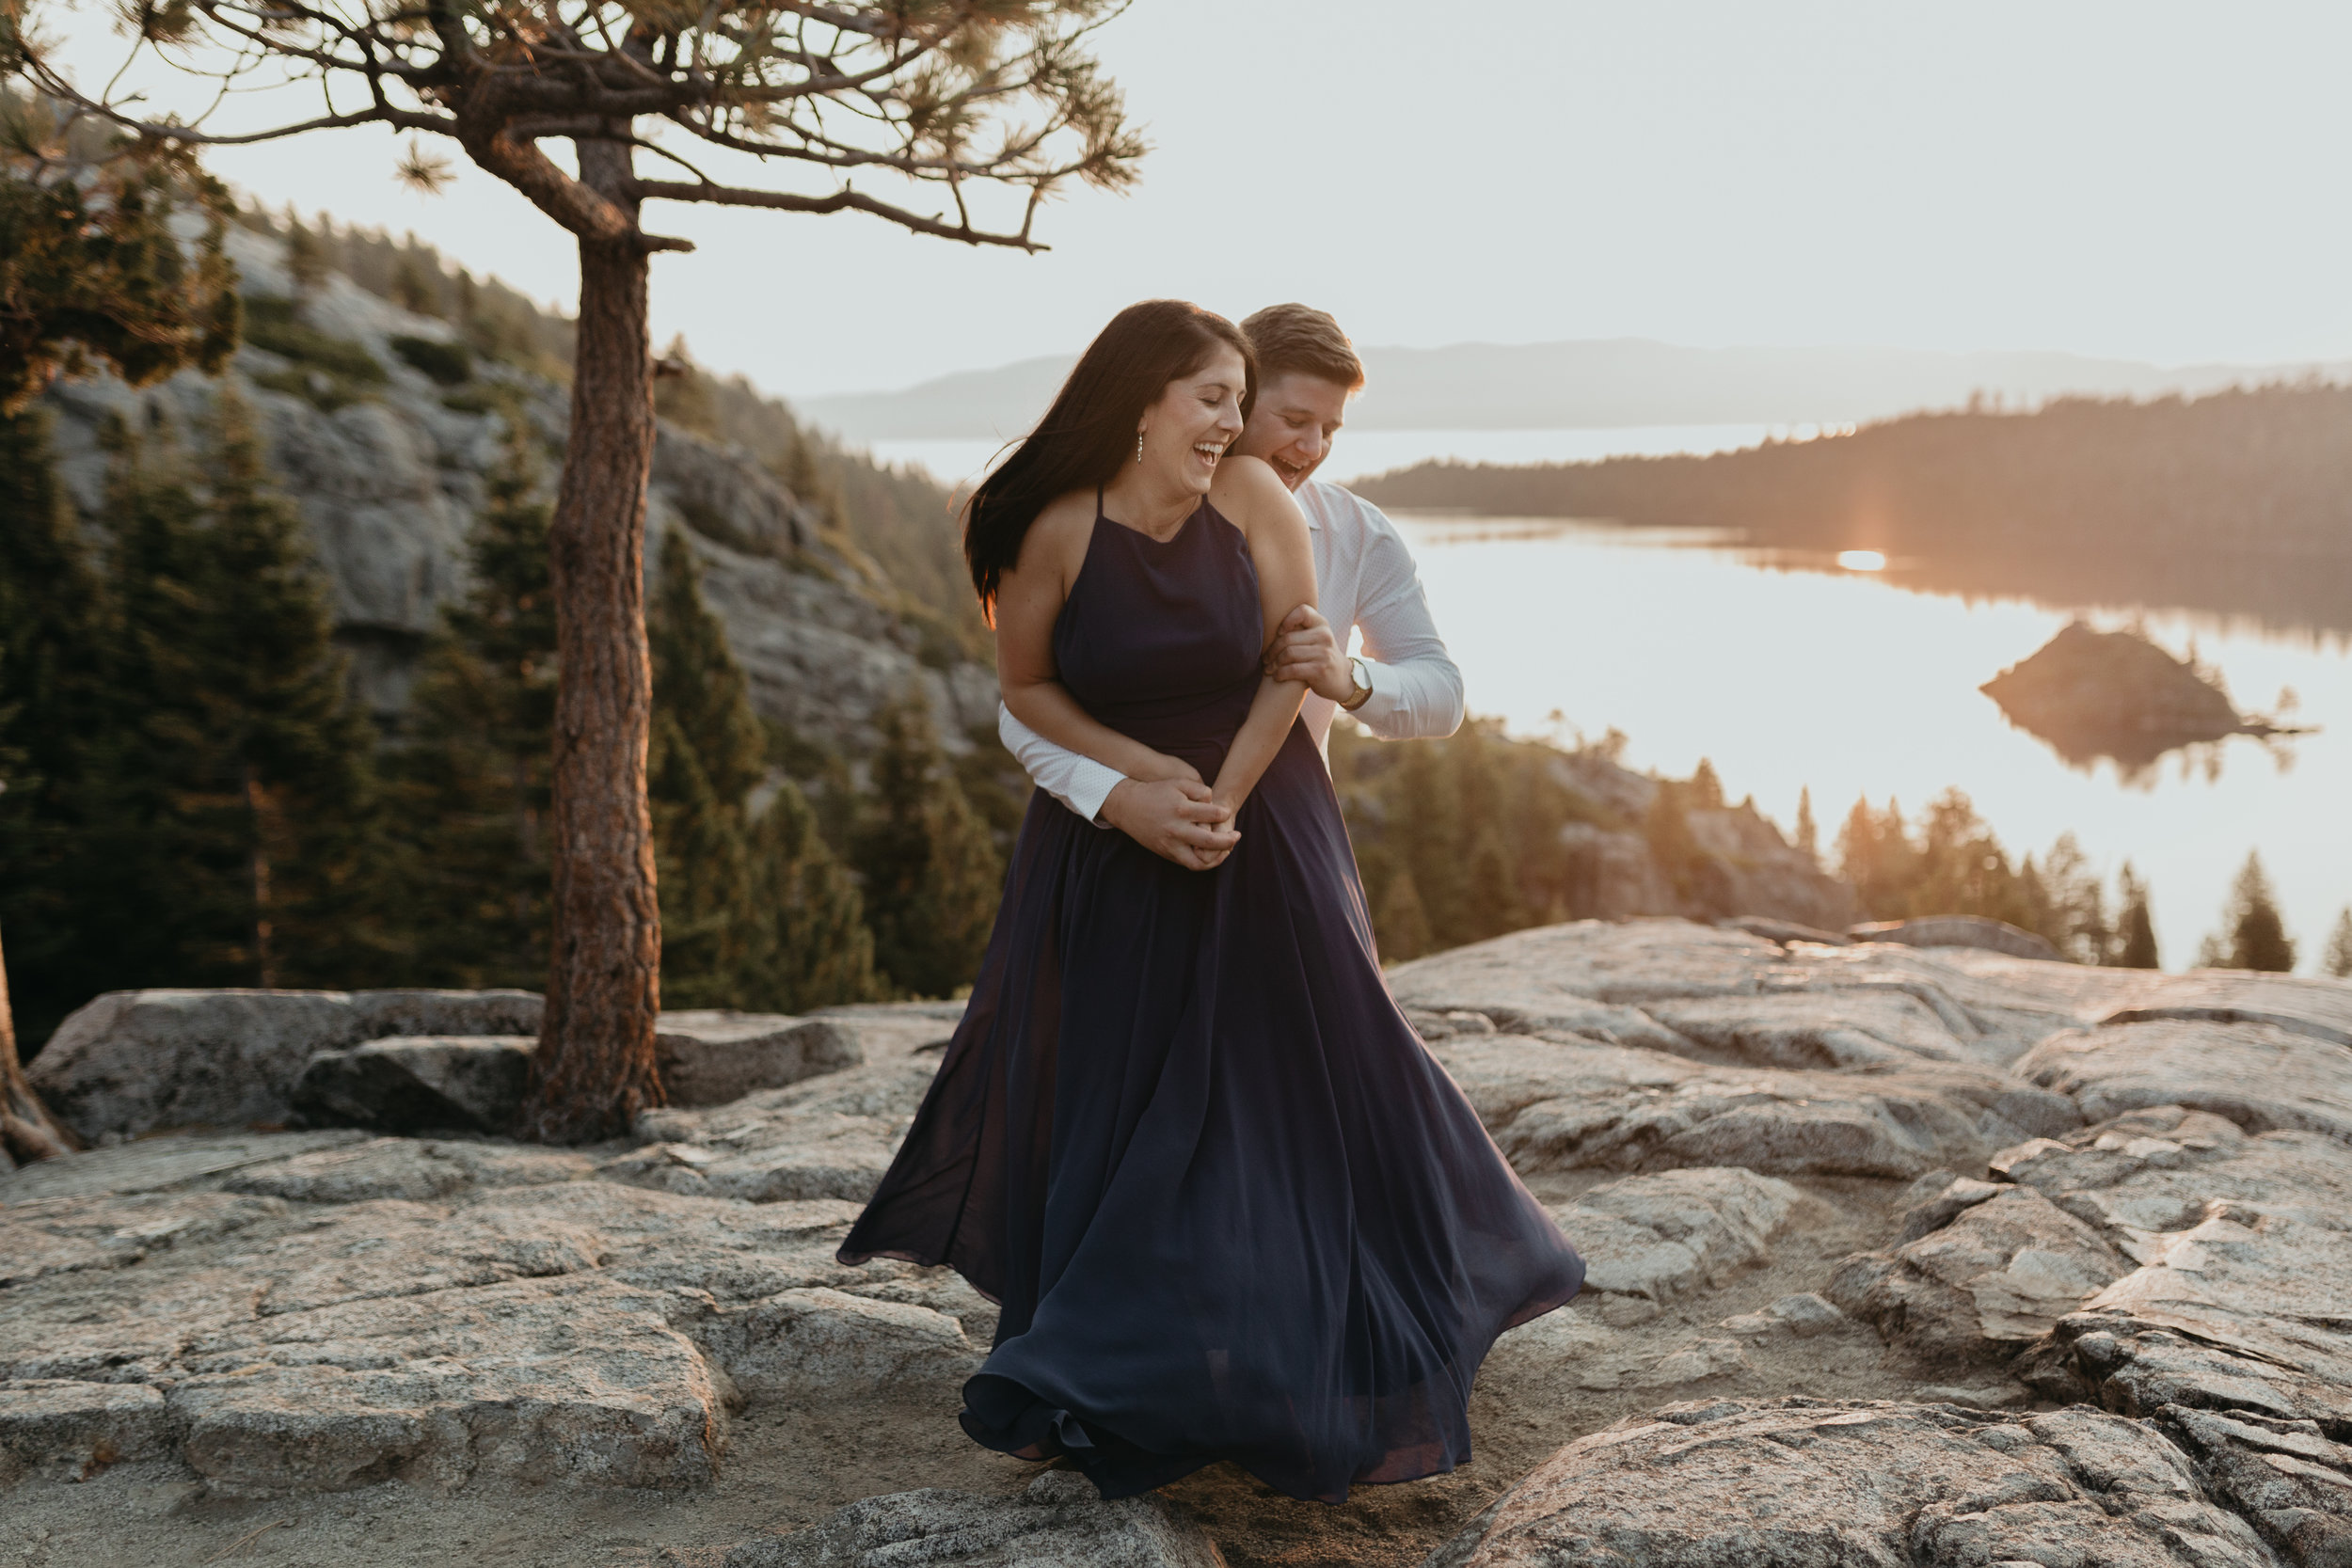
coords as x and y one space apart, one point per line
27 1130
595 1070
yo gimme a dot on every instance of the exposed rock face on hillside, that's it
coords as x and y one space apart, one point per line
390 485
1898 1256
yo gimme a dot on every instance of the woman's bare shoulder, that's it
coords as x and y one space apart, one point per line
1248 492
1062 530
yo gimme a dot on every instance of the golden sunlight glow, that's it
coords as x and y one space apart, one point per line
1862 561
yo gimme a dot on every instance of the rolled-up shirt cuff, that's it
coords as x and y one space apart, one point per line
1387 693
1091 785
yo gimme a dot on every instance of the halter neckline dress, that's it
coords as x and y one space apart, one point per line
1229 1205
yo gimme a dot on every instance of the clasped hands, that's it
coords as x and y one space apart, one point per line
1174 813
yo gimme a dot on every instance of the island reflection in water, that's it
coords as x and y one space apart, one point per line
1790 674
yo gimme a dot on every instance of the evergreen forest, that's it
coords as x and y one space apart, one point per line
2239 502
195 798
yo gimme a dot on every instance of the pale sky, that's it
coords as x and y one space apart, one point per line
2152 181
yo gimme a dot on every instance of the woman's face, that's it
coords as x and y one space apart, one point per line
1194 421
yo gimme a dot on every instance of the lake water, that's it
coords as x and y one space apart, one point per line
1371 452
1790 674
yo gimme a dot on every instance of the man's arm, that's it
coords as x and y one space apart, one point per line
1415 688
1079 783
1172 818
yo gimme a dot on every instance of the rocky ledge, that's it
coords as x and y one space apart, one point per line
1899 1255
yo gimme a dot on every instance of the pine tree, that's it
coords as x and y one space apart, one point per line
1706 791
703 856
813 948
1402 923
2337 960
2069 904
415 287
2135 928
1875 858
281 775
756 912
932 875
2253 934
231 785
472 777
697 681
1808 835
54 635
307 262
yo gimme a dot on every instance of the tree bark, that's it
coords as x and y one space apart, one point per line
595 1070
27 1130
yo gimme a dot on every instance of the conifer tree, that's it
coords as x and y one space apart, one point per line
756 912
1706 790
92 271
813 947
1808 833
232 780
277 710
2253 934
472 774
54 634
2338 958
1402 923
2135 928
932 875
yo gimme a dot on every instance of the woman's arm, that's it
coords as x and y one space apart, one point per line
1247 491
1029 600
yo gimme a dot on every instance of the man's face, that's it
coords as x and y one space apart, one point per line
1293 423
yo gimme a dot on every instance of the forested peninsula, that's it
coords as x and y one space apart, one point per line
2239 502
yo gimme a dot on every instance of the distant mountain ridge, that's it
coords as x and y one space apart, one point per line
1595 384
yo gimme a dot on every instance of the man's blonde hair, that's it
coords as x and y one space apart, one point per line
1299 338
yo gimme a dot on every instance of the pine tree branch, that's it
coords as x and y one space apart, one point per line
842 200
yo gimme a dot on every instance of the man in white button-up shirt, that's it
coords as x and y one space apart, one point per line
1402 686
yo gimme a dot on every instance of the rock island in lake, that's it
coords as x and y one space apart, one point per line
2116 694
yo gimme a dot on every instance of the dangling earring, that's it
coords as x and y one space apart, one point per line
1138 445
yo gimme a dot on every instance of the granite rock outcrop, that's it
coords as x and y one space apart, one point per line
1899 1255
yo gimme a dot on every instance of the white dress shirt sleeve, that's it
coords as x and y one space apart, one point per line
1415 689
1079 783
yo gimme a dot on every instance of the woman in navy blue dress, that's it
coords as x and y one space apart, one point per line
1229 1206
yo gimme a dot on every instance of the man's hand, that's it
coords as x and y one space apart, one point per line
1304 649
1173 818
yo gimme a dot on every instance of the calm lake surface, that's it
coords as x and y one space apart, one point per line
1790 674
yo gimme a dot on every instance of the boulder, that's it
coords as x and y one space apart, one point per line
157 1164
2259 1075
828 1137
1873 1026
1782 931
77 1428
1805 1483
538 1380
801 1342
2288 1478
1565 1106
419 1082
1959 930
1584 962
1995 1276
136 1061
1056 1522
1659 1236
714 1058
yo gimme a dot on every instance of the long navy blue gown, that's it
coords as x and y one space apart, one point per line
1229 1206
